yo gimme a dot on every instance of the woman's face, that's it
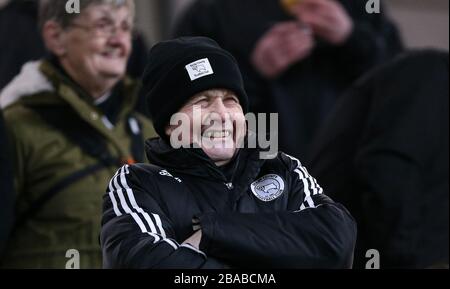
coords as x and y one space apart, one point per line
97 44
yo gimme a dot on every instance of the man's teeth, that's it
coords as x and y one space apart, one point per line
217 134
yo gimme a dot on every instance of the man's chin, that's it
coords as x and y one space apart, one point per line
220 155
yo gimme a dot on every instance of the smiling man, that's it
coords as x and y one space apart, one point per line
71 122
213 119
210 203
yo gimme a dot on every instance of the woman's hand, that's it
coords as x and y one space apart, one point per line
282 46
327 18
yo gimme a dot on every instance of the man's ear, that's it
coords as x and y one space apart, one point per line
53 36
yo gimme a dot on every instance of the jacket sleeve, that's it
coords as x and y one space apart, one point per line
314 232
136 234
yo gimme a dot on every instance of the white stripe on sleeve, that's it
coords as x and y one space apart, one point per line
121 184
304 176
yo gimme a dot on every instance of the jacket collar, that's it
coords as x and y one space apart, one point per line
72 93
30 81
194 162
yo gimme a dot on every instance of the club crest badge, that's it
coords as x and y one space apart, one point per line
199 69
268 188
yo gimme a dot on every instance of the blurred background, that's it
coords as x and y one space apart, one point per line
423 23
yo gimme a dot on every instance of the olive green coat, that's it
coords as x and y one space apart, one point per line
43 156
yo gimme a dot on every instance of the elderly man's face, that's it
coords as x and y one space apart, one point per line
221 120
98 42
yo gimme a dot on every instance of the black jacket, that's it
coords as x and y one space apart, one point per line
148 213
6 187
383 153
304 95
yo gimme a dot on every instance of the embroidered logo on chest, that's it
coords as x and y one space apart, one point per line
268 188
167 174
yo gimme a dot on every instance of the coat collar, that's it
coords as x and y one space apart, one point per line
77 97
194 162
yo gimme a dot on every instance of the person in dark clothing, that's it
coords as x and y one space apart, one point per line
24 43
215 206
6 188
297 63
21 40
384 154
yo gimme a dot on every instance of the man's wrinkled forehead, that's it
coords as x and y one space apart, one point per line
212 93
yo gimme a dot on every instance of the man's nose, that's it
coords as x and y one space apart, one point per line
219 108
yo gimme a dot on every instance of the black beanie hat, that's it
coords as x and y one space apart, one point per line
179 69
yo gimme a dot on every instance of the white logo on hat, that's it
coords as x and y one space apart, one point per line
268 188
199 69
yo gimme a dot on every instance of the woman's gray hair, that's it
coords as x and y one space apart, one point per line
56 10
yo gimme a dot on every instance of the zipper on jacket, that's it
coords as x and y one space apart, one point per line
229 186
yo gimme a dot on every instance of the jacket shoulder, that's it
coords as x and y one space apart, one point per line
149 175
21 114
142 169
284 162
